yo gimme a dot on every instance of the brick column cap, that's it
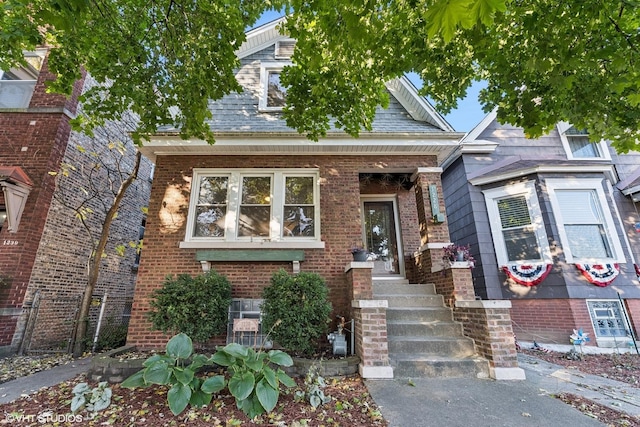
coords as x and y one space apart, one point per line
484 304
370 303
355 264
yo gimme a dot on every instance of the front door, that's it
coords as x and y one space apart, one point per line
381 237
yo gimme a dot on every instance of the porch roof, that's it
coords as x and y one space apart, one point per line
517 166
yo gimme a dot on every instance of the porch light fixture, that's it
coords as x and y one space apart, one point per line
16 186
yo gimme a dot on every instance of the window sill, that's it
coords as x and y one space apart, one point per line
253 245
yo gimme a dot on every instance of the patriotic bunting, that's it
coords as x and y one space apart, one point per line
599 274
527 274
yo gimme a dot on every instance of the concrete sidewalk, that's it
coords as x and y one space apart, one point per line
465 402
12 390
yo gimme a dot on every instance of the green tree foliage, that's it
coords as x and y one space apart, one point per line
297 309
544 61
197 306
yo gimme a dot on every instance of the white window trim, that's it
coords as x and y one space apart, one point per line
602 145
528 190
276 238
265 68
611 232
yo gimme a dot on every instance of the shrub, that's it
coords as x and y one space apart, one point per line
300 303
196 306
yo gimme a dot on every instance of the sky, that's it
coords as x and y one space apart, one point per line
464 118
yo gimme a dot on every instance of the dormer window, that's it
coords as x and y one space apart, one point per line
578 144
274 94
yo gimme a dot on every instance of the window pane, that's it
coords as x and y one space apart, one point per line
514 212
581 146
210 221
521 245
256 190
579 206
276 93
587 241
299 190
254 221
213 190
298 221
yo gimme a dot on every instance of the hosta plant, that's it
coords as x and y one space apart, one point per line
92 399
253 382
171 369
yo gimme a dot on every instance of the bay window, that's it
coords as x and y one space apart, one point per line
585 224
516 224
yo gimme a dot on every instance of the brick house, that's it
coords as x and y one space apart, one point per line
553 225
263 198
43 248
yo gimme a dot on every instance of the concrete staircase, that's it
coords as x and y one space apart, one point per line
424 341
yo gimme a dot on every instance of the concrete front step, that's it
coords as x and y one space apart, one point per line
403 289
413 300
455 347
419 314
407 366
429 328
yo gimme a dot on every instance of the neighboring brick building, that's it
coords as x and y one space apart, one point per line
43 247
554 227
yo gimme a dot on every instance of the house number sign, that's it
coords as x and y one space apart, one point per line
10 243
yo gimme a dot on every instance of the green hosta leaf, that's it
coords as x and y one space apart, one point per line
254 361
236 350
185 376
241 385
285 379
197 361
270 376
199 398
180 346
280 358
157 357
250 406
135 380
178 397
158 373
267 395
213 384
223 359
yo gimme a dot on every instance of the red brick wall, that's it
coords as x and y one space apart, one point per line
49 251
550 321
340 222
35 141
633 310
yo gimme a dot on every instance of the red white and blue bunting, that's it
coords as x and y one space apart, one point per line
599 274
527 274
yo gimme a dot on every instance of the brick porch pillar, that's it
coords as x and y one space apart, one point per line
370 318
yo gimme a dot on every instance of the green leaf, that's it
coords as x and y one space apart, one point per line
280 358
213 384
158 373
200 399
250 406
81 388
270 376
241 385
135 380
267 395
185 376
236 350
223 359
180 346
254 361
285 379
178 397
